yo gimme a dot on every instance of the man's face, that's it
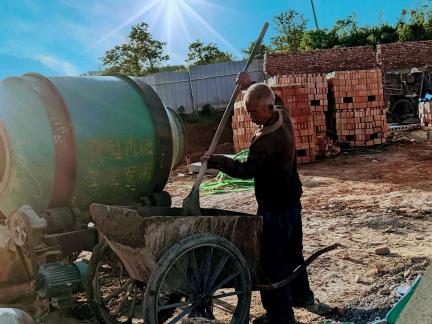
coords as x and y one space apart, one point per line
258 113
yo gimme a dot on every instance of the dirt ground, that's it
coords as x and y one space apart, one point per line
373 198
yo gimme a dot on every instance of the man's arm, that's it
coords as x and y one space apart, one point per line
242 170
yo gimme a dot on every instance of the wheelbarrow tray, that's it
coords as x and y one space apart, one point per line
139 237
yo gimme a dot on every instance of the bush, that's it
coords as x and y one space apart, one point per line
181 110
207 110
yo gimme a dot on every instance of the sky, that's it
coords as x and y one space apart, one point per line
68 37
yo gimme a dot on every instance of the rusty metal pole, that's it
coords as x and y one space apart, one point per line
194 109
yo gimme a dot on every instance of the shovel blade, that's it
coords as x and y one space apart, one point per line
191 204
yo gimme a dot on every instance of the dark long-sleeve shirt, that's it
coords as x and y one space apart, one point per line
271 162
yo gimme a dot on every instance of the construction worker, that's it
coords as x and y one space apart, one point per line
272 164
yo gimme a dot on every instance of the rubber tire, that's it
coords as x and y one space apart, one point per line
193 241
402 106
99 252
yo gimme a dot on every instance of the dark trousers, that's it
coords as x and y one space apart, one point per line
281 253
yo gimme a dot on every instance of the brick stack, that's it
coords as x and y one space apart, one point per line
390 56
320 61
295 99
404 55
359 106
242 126
305 96
425 114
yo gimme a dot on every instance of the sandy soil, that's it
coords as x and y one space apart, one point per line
362 201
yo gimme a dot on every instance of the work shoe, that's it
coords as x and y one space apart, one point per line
300 303
315 307
264 319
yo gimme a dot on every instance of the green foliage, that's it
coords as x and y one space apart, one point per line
318 39
141 54
206 54
181 110
292 34
172 68
415 24
207 110
291 27
383 34
260 53
349 33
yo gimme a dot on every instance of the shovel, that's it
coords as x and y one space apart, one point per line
191 204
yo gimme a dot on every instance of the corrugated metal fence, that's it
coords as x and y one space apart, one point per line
204 84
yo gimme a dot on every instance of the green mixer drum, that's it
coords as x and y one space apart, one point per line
72 141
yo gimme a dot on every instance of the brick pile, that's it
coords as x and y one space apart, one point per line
242 126
405 55
320 61
425 114
295 99
387 56
305 96
358 100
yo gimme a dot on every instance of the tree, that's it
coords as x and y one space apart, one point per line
206 54
318 39
291 27
262 49
141 54
382 34
349 33
172 68
415 24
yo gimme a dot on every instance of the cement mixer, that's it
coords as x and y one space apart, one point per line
66 142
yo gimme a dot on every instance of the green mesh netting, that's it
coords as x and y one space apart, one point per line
223 183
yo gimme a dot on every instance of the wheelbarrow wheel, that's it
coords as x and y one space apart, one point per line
208 273
114 297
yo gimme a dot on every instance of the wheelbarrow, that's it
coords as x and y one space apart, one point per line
167 269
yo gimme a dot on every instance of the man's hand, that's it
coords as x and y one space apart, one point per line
206 157
243 79
213 161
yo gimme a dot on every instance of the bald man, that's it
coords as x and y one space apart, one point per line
272 164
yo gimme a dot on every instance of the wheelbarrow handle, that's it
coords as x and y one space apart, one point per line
297 270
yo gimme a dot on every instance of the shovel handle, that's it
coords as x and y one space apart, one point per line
228 110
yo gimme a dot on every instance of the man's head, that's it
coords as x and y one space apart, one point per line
259 101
